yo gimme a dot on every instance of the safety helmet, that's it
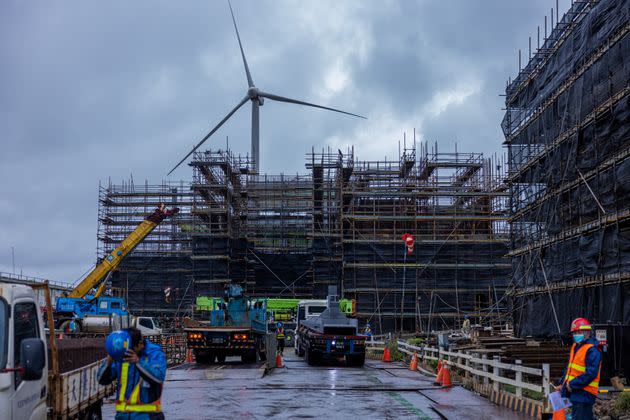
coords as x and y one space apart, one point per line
580 324
368 325
466 317
279 324
117 343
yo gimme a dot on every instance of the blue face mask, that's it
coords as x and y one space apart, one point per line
578 338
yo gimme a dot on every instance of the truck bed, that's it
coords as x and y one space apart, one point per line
76 390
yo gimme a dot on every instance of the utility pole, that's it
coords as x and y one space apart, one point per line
13 258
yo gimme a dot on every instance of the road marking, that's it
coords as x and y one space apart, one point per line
419 413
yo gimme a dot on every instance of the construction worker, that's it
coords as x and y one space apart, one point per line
466 325
580 382
140 374
280 337
367 331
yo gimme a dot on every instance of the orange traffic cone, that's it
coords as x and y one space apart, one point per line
189 356
439 366
446 377
440 374
414 362
386 356
60 336
279 361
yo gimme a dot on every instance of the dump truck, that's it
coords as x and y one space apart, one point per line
236 328
33 385
330 335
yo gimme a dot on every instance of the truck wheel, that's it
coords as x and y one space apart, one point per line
357 360
203 357
310 357
290 340
94 413
221 358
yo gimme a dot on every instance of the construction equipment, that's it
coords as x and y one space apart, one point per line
236 328
285 310
330 335
81 311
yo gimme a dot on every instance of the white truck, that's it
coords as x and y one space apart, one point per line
30 388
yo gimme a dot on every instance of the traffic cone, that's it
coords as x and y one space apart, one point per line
446 377
189 356
414 362
440 374
386 356
279 361
61 336
439 366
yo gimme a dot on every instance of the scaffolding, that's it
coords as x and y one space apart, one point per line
567 130
339 224
159 262
454 204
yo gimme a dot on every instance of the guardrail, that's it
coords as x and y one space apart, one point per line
20 278
489 371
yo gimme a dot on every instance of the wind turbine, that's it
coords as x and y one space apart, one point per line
257 97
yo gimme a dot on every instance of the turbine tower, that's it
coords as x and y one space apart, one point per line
257 97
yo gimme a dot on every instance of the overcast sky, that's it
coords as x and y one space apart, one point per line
96 90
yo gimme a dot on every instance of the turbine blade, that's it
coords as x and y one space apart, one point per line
250 82
295 101
240 104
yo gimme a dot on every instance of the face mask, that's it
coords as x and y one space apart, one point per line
578 338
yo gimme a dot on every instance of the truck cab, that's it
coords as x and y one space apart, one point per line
23 364
147 325
310 308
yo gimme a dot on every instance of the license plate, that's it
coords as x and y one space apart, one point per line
217 340
339 345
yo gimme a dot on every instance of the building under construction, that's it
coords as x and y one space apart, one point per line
340 224
567 129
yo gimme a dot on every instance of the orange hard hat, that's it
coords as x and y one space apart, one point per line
580 324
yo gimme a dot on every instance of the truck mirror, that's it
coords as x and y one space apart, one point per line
32 358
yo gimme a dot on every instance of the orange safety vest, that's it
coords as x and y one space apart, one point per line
133 404
577 367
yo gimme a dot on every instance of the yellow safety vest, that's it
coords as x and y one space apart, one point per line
133 404
280 334
577 367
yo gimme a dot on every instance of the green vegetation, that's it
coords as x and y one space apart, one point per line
527 393
622 404
417 341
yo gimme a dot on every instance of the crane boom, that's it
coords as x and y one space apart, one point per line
114 258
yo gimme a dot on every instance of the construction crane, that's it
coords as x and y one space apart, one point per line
81 311
113 259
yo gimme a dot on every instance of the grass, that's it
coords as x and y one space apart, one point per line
527 393
622 405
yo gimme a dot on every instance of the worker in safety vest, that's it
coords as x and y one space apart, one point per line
367 331
580 382
466 325
280 337
140 375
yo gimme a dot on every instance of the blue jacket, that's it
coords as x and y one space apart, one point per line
151 368
593 360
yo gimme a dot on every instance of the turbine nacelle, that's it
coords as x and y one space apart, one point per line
257 97
254 94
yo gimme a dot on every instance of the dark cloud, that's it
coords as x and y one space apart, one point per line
98 90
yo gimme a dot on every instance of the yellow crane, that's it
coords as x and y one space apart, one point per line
99 274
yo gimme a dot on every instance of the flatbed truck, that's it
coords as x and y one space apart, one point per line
237 328
330 335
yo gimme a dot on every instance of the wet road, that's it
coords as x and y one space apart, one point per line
378 390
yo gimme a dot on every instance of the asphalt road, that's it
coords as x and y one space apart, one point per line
378 390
